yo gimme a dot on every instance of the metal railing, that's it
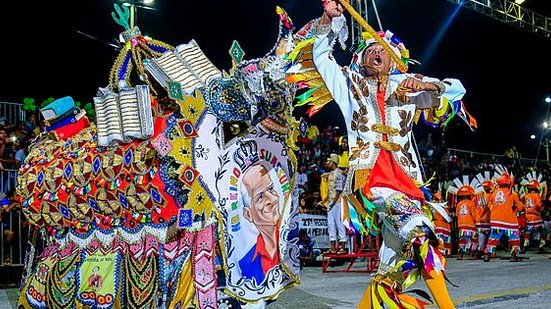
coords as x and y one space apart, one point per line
14 238
493 156
12 111
13 235
8 178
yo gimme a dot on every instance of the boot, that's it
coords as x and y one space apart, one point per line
487 257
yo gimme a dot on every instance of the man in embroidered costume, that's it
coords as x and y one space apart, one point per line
483 214
379 108
534 207
504 205
335 185
261 208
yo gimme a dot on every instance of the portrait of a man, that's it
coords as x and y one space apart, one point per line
261 208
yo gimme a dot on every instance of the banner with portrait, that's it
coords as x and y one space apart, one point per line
98 279
254 188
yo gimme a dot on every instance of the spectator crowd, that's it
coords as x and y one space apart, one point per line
314 156
440 165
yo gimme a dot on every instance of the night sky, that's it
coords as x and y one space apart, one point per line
505 70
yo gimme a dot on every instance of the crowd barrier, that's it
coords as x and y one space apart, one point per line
13 235
496 157
12 111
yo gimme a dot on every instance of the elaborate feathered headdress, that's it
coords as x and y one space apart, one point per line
393 41
502 176
464 187
535 180
485 179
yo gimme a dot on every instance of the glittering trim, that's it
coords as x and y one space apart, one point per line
441 88
204 270
107 236
320 29
348 189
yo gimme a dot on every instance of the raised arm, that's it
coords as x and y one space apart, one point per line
326 65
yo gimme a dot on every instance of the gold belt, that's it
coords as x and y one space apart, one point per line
384 129
390 146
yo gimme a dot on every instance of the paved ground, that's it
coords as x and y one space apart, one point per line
498 284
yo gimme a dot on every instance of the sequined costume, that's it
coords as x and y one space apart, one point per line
385 175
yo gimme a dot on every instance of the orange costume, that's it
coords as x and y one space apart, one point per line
504 206
534 208
465 212
482 212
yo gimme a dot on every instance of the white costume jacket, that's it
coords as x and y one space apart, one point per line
357 100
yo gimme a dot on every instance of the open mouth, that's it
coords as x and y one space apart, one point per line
377 61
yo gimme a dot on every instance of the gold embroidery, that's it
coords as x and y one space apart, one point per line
406 123
360 120
361 150
384 129
390 146
401 94
360 178
407 159
359 87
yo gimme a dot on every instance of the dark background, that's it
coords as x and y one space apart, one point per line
505 70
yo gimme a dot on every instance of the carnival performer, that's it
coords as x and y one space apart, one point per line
483 213
534 207
463 194
335 185
504 205
465 212
379 109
